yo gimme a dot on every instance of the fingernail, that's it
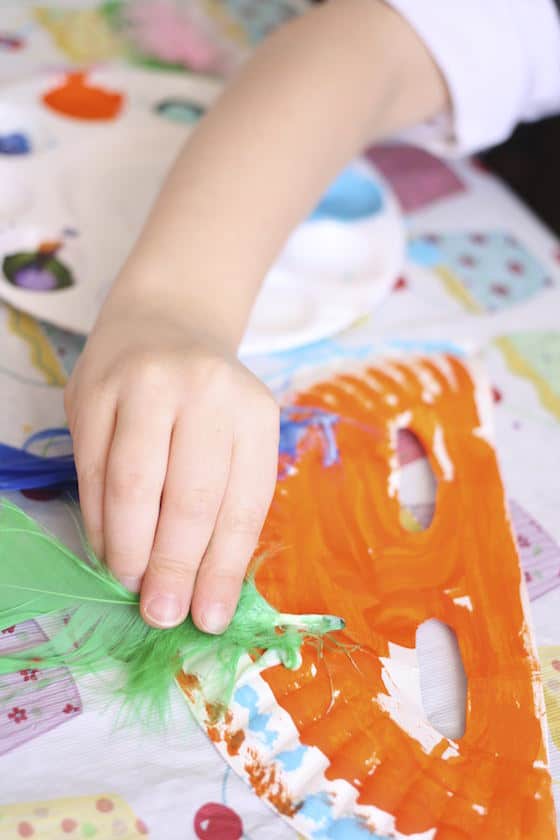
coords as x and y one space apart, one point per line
133 584
215 618
164 610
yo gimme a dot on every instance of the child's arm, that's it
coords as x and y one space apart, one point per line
159 406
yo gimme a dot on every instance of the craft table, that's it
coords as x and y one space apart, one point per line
482 278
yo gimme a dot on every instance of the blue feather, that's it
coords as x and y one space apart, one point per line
21 469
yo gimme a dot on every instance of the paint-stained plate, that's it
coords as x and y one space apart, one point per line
84 157
342 747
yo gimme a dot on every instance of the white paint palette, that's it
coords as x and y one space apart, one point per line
75 194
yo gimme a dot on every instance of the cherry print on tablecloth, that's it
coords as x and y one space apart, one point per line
29 674
104 805
11 42
17 714
25 829
485 272
400 285
42 705
214 821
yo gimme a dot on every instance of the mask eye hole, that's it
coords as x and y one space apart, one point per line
417 483
443 682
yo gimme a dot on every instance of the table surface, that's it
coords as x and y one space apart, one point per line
482 278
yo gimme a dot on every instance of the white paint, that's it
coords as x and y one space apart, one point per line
464 601
443 459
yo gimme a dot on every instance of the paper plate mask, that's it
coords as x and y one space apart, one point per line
340 747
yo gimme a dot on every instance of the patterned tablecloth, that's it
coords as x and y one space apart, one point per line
482 277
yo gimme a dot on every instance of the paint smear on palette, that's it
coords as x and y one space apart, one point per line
76 97
101 816
352 197
344 551
38 271
535 356
41 704
417 177
14 143
485 272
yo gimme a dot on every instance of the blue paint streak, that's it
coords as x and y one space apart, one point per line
291 759
258 723
286 363
348 829
317 808
427 346
247 697
23 470
293 427
353 196
15 143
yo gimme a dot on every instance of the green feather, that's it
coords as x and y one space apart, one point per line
39 576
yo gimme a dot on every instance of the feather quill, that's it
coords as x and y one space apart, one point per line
39 576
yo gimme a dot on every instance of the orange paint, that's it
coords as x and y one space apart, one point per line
218 722
189 683
334 544
234 741
214 734
266 782
49 248
216 712
76 98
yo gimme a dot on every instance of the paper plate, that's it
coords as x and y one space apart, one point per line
76 193
342 747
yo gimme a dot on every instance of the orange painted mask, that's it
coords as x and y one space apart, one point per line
335 544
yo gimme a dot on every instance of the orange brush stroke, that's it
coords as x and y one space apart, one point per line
346 553
75 97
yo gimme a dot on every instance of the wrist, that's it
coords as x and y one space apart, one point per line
146 301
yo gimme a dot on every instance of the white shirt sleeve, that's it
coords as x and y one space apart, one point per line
501 61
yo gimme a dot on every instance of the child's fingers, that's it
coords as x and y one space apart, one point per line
92 434
196 480
136 470
240 520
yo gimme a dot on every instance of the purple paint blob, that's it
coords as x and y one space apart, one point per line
35 279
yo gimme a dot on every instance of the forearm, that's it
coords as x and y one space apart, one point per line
311 98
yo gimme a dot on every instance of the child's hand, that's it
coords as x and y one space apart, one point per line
175 441
176 448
